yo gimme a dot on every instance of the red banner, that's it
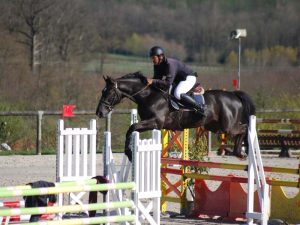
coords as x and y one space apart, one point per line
67 111
235 84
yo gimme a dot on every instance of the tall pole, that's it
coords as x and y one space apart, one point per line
238 34
239 66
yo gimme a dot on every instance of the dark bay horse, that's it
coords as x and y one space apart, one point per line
227 112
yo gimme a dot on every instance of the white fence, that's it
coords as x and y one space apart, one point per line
145 173
256 177
76 157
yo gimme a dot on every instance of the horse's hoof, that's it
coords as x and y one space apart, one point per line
277 222
224 151
221 152
241 156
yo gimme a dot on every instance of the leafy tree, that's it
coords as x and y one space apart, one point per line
232 59
134 44
28 19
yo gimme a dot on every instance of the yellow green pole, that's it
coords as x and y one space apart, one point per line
184 180
165 140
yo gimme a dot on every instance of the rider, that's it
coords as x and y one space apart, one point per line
177 74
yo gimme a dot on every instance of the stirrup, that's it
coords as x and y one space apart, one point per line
201 110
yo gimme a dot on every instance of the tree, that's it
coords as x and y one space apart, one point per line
69 28
109 27
27 20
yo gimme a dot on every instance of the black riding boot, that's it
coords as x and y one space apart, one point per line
191 102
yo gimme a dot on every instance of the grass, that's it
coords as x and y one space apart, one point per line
120 64
20 152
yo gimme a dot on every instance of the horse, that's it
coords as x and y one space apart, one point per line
226 111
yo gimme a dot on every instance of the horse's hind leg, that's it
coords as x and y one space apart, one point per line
237 149
238 142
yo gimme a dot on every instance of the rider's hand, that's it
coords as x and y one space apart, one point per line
149 80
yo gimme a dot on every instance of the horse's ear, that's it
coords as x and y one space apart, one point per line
109 80
104 77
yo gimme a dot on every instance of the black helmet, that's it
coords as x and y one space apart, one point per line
156 50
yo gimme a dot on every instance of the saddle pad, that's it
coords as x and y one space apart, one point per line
199 98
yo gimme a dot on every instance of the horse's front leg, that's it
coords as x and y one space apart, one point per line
140 127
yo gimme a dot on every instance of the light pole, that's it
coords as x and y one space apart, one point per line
239 34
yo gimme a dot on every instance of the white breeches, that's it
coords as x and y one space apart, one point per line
184 86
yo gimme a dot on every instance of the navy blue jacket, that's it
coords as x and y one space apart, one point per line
173 70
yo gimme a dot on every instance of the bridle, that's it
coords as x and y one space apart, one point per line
118 96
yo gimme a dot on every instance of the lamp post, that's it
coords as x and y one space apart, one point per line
239 34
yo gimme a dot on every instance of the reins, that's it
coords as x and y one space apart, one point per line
119 94
131 96
165 94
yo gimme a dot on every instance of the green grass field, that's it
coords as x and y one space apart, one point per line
120 65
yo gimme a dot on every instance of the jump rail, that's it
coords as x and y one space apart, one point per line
57 190
69 208
145 189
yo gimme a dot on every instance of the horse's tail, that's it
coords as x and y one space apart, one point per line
248 105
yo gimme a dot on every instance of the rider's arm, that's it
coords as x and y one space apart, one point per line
162 84
166 83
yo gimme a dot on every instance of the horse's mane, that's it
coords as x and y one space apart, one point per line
136 75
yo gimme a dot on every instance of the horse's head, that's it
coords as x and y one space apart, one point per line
110 97
130 85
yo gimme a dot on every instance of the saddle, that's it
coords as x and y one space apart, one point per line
196 92
197 89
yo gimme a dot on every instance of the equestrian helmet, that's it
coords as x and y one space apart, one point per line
156 50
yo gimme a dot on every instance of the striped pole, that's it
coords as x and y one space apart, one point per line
95 220
13 204
66 208
282 121
236 179
59 184
239 179
197 163
279 131
57 190
23 218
